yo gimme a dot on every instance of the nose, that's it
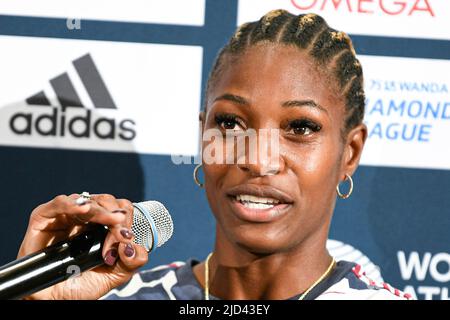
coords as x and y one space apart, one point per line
259 170
261 157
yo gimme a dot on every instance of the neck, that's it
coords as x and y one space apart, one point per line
236 273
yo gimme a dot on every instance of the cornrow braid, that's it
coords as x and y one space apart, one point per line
331 49
303 29
268 27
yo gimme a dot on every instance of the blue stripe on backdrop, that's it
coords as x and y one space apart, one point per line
402 47
219 24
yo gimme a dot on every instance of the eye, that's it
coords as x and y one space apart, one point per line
303 127
229 122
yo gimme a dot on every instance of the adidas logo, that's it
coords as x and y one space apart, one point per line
82 124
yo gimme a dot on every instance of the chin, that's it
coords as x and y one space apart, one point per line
260 242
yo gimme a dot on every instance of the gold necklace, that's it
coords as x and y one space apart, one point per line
323 276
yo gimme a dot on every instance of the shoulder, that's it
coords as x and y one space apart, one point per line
153 284
356 285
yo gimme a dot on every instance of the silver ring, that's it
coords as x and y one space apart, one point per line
84 197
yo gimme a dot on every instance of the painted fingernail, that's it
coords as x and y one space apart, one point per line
127 234
111 256
119 211
129 250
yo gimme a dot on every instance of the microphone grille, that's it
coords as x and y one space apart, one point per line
151 223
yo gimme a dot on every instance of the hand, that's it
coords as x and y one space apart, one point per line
61 218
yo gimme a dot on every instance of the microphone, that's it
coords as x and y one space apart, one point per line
152 227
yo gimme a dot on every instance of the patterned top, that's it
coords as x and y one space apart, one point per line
176 281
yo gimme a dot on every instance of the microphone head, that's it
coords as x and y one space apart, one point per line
152 224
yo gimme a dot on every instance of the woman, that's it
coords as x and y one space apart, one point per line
291 74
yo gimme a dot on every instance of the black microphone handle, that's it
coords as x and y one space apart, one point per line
53 264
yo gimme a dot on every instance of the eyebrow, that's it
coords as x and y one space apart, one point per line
290 103
303 103
233 98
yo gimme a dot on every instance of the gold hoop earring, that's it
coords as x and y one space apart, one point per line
194 174
345 196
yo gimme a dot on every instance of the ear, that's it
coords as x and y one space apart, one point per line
352 150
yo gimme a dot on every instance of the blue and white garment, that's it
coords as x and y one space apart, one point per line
177 282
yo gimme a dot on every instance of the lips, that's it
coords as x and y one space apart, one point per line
259 203
262 191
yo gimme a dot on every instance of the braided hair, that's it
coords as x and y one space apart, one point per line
330 49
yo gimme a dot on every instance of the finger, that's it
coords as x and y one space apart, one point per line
132 256
107 201
125 230
90 211
100 215
62 204
116 205
117 232
110 251
122 232
128 207
116 235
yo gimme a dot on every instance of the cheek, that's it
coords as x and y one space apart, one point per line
214 175
316 166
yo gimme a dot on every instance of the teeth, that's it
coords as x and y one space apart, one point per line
245 198
252 205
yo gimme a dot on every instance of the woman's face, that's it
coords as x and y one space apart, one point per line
278 201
